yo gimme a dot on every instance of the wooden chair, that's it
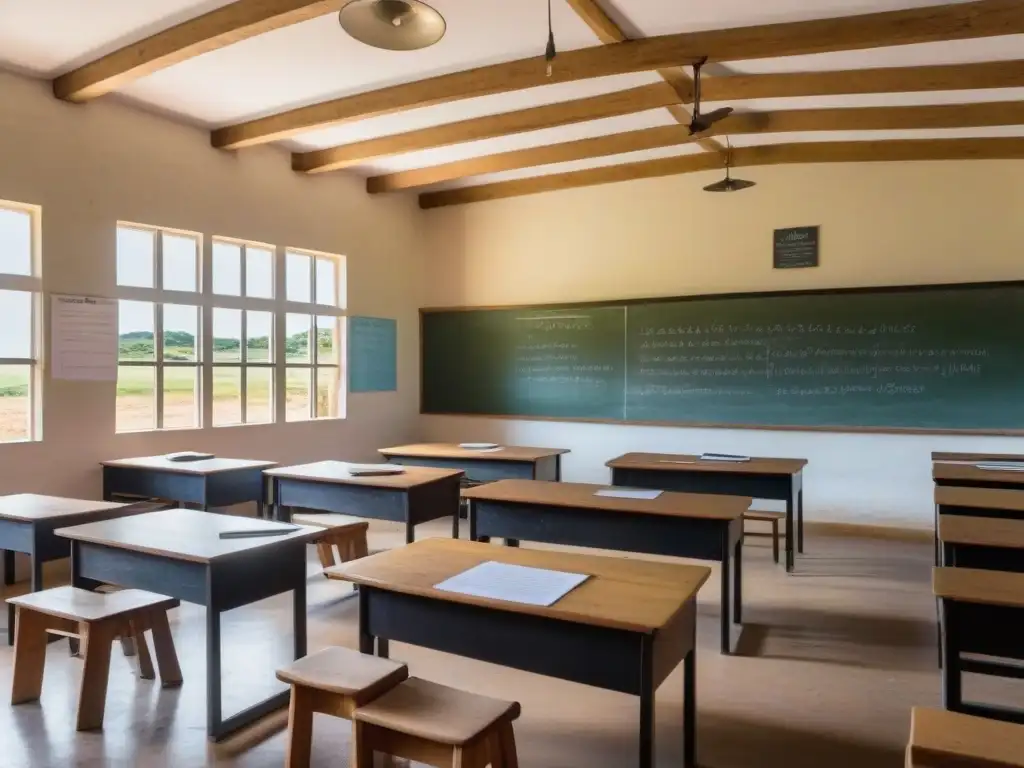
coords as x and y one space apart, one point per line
437 725
333 681
342 532
96 619
940 739
766 516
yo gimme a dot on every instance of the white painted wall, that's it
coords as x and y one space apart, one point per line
89 166
881 224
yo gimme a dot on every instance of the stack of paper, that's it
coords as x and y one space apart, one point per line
723 457
367 470
513 583
1002 466
488 447
628 493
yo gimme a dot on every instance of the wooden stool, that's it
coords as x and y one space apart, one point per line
97 619
436 725
940 739
766 516
333 681
346 533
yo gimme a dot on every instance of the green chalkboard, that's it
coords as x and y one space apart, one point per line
372 354
936 358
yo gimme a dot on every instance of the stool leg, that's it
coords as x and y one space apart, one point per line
92 698
360 547
507 740
146 671
325 552
775 540
29 655
300 729
362 746
163 645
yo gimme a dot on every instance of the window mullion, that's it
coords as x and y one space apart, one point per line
244 357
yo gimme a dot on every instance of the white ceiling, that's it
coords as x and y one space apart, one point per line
315 61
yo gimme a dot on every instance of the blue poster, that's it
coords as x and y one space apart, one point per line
372 354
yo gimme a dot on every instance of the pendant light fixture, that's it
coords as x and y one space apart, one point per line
729 184
395 25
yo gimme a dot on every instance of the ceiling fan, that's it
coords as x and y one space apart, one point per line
395 25
701 123
729 184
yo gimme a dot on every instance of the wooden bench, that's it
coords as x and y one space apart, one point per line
437 725
333 681
346 533
940 739
96 619
766 516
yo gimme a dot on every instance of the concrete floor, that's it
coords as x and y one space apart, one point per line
834 657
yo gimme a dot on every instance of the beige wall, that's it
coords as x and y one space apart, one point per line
89 166
881 224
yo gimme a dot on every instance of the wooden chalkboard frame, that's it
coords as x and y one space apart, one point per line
882 289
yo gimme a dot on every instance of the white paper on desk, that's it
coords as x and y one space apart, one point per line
480 447
513 583
1002 466
83 335
628 493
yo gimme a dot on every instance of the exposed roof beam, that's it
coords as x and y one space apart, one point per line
772 154
955 77
981 18
607 31
852 119
548 116
216 29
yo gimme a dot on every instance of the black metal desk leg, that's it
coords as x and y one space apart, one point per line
511 542
952 695
647 702
737 584
800 519
690 709
299 618
383 648
8 557
410 531
365 638
790 542
726 609
455 522
213 701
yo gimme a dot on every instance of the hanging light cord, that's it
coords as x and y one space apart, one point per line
550 52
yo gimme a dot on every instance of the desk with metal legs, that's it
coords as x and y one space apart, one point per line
483 466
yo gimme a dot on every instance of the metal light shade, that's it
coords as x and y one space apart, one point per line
395 25
729 185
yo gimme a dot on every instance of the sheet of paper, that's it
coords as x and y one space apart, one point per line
83 338
628 493
513 583
375 469
722 457
1002 466
480 446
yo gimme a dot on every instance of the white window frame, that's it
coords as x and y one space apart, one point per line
158 296
337 310
32 284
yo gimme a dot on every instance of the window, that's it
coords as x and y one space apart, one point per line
314 289
20 288
242 275
159 341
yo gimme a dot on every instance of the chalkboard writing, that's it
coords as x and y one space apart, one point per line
372 354
938 358
795 247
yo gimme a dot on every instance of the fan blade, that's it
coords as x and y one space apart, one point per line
701 123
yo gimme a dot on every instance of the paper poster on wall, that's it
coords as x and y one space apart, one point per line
83 335
372 354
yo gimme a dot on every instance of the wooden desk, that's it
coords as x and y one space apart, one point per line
966 501
510 461
982 612
975 457
27 524
967 474
625 629
209 483
940 739
759 478
988 543
416 496
178 553
706 527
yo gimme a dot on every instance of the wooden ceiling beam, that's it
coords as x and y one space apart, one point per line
954 77
548 116
788 121
219 28
980 18
772 154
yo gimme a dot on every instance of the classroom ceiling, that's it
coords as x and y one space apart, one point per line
249 70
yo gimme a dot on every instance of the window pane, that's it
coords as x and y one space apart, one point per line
297 390
327 339
135 257
16 324
135 331
15 243
227 335
181 401
181 332
297 277
296 338
259 273
136 397
259 391
180 256
15 403
227 269
259 331
326 282
227 396
327 395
